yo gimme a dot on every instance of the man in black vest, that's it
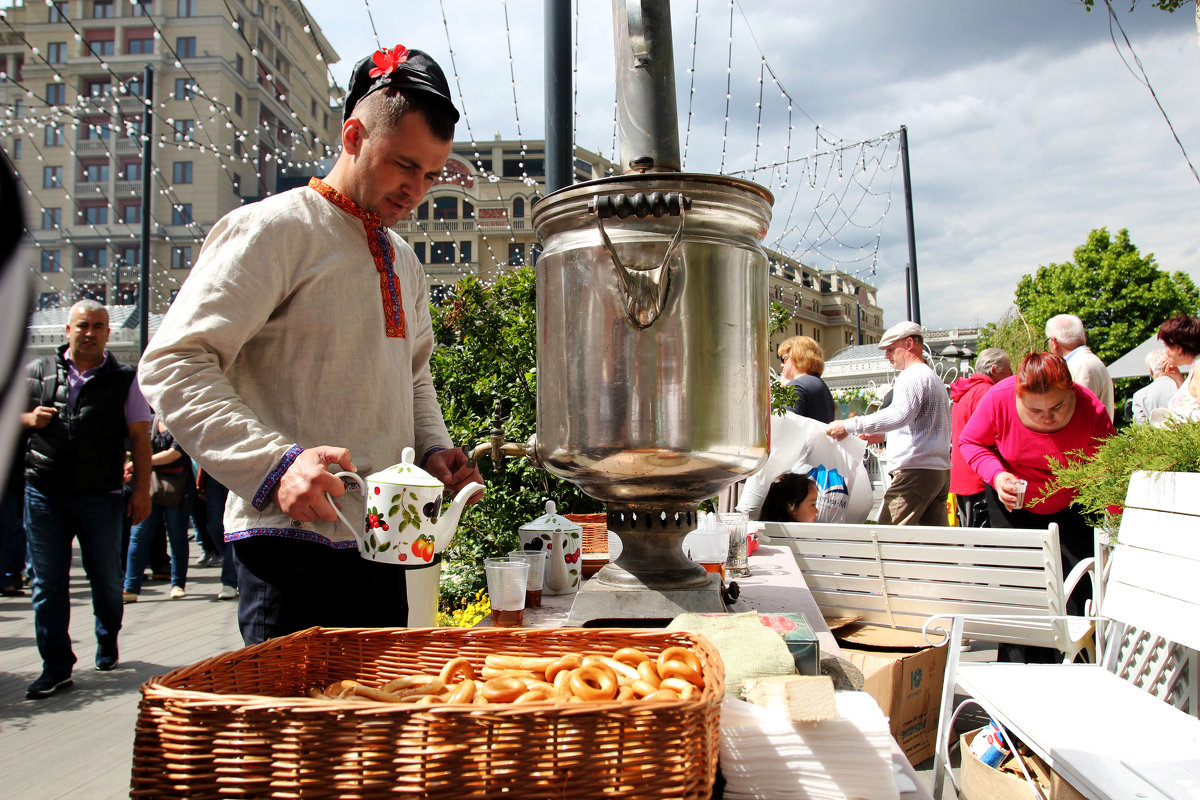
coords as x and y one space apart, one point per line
83 407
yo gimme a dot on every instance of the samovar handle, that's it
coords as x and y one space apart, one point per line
645 290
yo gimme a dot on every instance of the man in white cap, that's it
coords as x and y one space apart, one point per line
1066 337
300 342
917 424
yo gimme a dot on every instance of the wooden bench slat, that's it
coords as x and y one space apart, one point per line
1159 530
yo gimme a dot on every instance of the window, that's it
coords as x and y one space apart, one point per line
237 184
56 52
181 214
185 88
131 213
51 218
186 8
102 47
93 215
445 208
816 335
314 108
16 149
133 127
185 47
237 104
464 252
125 294
52 177
96 130
17 108
131 171
468 210
49 299
91 291
140 8
97 87
181 172
131 256
239 64
441 253
58 11
94 173
102 9
93 257
53 136
140 46
518 208
516 255
181 258
51 260
423 211
419 250
56 94
185 130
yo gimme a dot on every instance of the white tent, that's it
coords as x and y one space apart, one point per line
1133 363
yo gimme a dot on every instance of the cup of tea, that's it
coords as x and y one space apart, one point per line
506 581
537 569
1019 487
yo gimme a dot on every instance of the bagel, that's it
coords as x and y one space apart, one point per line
504 689
593 682
455 667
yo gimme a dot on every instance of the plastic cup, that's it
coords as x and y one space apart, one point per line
506 581
736 563
537 569
1019 487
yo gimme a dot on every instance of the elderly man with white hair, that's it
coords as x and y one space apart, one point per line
1067 338
1166 381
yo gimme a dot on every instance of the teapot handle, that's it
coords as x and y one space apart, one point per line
355 531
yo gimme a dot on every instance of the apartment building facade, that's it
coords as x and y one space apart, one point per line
239 88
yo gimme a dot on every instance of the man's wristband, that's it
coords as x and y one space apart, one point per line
428 453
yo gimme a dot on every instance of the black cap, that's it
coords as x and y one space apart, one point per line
399 68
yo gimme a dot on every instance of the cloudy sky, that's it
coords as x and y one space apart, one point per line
1026 127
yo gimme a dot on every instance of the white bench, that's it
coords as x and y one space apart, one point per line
901 576
1124 728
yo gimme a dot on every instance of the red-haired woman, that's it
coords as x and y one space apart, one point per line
1181 337
1025 421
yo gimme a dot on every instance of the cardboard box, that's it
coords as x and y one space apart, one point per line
904 674
978 781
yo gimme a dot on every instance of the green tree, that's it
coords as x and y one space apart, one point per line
487 354
1121 296
1014 335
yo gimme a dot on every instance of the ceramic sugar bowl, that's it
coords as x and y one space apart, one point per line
562 541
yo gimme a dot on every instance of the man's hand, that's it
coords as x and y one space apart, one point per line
872 438
301 491
40 417
836 430
452 468
138 507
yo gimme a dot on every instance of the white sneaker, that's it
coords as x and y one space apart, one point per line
227 593
177 592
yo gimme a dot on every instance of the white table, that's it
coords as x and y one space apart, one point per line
775 584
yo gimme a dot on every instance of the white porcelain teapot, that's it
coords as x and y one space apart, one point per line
402 519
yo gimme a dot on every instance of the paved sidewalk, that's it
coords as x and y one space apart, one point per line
79 743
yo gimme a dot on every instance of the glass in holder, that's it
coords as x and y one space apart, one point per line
737 563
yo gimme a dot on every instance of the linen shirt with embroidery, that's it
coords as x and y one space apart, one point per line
277 341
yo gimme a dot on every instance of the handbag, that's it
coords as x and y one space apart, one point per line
168 489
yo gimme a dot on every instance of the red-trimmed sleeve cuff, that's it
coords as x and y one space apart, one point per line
273 477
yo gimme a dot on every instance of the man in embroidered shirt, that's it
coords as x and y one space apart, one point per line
917 424
301 341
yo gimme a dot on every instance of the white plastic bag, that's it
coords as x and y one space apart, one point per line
799 444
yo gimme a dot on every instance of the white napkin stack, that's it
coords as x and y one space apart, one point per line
766 756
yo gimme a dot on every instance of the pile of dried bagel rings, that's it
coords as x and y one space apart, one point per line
629 674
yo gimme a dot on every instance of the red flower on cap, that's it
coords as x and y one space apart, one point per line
386 60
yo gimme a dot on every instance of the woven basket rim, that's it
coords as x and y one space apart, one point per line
159 688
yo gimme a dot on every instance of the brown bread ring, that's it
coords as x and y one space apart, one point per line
502 690
593 682
455 667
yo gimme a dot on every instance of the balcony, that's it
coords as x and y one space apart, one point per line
131 105
449 274
93 147
125 145
127 188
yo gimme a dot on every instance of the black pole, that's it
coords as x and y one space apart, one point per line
147 154
560 156
914 301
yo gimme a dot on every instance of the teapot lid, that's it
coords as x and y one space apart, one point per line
551 521
406 473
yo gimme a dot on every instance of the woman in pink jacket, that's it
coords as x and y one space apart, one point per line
1038 415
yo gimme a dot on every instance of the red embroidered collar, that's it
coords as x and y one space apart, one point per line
381 252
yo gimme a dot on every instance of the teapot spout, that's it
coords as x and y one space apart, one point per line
449 521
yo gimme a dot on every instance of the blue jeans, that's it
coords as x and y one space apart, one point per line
141 541
52 521
12 538
215 495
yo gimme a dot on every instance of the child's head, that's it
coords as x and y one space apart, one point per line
791 498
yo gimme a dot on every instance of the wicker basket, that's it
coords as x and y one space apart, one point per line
595 541
240 725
